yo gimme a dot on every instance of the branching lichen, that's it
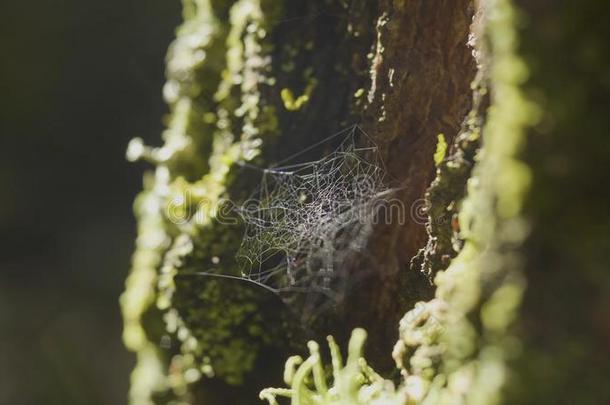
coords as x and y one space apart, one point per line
352 383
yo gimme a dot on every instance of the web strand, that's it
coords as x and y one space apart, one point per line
309 219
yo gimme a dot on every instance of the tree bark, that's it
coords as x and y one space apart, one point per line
251 82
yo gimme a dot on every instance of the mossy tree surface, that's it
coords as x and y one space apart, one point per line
254 81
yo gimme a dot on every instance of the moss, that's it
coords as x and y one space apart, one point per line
138 299
220 324
441 149
211 316
195 61
445 194
224 71
294 104
198 313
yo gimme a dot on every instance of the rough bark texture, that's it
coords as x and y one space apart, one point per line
420 87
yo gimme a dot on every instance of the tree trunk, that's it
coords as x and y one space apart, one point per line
251 83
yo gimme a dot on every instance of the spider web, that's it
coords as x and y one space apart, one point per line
308 221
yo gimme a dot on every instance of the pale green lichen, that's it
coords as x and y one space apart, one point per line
441 149
352 383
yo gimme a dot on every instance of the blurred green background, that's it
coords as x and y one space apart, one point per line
78 79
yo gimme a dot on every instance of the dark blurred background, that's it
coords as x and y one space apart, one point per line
78 79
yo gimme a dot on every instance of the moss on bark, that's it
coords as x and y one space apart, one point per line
258 80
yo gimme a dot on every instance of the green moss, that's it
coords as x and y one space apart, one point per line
441 149
447 190
212 316
137 301
188 181
294 104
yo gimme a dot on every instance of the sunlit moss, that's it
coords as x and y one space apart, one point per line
216 68
441 149
292 103
210 321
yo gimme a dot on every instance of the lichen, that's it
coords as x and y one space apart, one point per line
352 383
